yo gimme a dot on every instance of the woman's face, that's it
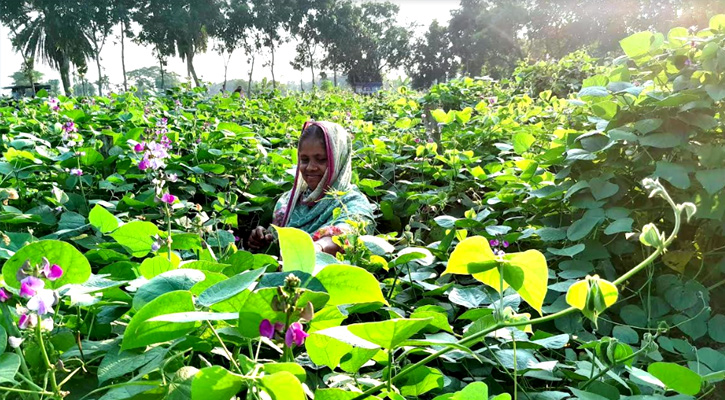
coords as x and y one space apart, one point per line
313 162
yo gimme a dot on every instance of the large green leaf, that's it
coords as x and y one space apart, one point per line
9 365
215 383
326 350
76 268
712 180
388 334
676 377
348 284
296 249
283 386
102 219
673 173
422 380
470 252
528 274
141 332
229 288
154 266
177 279
136 237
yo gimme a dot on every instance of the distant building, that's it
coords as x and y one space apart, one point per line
367 88
19 91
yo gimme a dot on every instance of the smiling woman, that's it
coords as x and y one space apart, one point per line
322 185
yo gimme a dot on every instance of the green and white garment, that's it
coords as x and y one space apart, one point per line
312 210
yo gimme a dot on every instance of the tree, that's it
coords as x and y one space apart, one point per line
432 59
309 33
153 78
178 27
363 41
122 13
234 30
51 30
486 34
20 78
100 22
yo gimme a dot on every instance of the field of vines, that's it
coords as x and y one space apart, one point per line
560 234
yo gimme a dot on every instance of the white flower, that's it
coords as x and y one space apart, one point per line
14 342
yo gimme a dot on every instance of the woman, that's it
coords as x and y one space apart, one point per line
324 164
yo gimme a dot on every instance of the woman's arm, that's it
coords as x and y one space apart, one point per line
326 245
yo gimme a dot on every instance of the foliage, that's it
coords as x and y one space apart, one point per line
501 245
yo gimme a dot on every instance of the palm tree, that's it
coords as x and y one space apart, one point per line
50 29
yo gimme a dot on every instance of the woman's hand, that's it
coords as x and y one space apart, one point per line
260 238
326 245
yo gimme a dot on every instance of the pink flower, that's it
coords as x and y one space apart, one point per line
76 172
138 147
168 198
144 164
266 329
4 295
69 127
173 178
29 286
52 272
295 335
493 242
27 321
505 244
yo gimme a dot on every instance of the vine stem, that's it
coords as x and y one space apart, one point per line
43 392
229 354
46 360
479 335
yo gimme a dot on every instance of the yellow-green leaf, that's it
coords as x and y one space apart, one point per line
576 296
472 250
527 274
297 250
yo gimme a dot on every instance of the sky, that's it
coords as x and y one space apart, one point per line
210 66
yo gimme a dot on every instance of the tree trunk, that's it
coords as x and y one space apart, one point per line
100 75
190 65
123 56
161 66
274 82
65 76
334 76
249 84
312 67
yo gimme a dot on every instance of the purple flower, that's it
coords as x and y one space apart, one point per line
138 147
505 244
417 140
27 321
76 172
69 127
155 246
173 178
52 272
144 164
295 335
168 198
165 141
29 286
266 329
688 62
492 100
493 242
279 326
42 302
4 295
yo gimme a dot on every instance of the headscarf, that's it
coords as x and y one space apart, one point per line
311 210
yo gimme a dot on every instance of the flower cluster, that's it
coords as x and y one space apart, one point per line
496 243
70 135
54 104
285 301
32 287
154 151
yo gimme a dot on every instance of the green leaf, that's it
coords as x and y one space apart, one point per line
136 237
293 368
326 350
170 281
637 45
9 365
297 250
422 380
180 384
677 37
76 268
717 22
470 252
388 334
154 266
283 386
438 315
3 339
140 332
472 391
215 383
522 141
229 288
676 377
619 226
716 329
528 274
568 251
581 228
646 126
102 220
713 180
118 363
576 295
347 284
